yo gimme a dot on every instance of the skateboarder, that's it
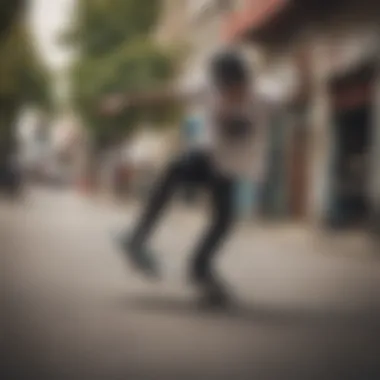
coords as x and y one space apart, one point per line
233 150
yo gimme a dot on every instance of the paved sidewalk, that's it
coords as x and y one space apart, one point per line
76 310
297 235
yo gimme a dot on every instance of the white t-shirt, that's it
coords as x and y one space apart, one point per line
241 157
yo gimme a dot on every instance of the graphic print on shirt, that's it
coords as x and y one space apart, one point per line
234 125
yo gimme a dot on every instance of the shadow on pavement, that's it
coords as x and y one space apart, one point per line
245 313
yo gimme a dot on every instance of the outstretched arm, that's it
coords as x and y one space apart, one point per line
116 103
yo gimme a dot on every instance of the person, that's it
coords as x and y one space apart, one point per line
233 149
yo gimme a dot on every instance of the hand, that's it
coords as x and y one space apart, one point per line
113 104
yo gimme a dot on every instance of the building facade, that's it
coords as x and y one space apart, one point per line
332 141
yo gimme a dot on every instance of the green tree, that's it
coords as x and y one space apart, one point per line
116 54
23 78
10 10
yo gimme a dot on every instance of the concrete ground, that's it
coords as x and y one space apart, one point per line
75 310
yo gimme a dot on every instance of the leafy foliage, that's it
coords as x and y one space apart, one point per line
23 77
116 54
10 10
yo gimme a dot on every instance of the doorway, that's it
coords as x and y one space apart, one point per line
351 174
352 96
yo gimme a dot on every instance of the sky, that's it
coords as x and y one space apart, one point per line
48 18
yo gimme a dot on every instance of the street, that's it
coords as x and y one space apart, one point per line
75 310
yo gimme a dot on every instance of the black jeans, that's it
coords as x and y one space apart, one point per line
192 169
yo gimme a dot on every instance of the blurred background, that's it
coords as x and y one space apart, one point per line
317 67
69 176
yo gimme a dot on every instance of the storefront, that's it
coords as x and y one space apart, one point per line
352 111
353 130
375 156
338 39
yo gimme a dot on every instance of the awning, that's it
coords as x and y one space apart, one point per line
253 16
278 21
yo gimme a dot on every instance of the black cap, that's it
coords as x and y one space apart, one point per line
228 68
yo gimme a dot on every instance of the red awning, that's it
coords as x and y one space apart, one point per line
253 16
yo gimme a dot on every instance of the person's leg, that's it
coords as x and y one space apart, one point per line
183 169
157 201
134 242
222 220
